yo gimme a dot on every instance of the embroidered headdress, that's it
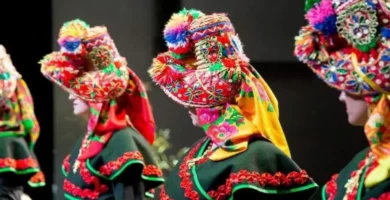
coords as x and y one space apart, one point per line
90 67
347 45
206 68
17 118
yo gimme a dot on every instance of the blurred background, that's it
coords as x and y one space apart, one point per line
315 122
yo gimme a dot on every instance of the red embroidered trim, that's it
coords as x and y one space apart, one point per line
78 192
106 170
110 167
264 179
331 187
151 170
384 196
38 178
163 194
89 179
20 164
66 164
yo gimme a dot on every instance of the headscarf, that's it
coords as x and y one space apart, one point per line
89 66
17 117
206 68
347 45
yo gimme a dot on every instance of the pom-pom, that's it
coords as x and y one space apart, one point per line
328 26
71 34
323 17
308 49
309 4
166 69
385 32
55 59
176 32
56 66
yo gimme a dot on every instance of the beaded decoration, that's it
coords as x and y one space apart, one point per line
211 75
89 65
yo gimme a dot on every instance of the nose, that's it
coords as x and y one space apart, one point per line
342 97
71 97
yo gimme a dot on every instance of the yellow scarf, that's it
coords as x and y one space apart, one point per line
377 130
255 114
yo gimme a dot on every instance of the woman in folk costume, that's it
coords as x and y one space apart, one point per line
244 154
113 160
347 45
19 131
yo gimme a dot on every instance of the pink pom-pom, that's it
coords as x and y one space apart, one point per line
320 12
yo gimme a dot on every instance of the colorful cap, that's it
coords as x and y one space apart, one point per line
346 44
203 65
8 75
88 65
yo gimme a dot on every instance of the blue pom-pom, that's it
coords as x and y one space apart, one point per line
71 45
385 32
328 26
178 36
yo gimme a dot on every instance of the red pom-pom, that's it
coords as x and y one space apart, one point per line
166 69
187 47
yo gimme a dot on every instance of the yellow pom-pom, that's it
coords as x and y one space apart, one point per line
73 29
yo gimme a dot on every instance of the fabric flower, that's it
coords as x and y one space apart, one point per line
220 133
207 115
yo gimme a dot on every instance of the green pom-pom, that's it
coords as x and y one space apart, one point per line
367 47
310 4
193 12
77 21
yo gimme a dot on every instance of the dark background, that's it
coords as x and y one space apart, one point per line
315 123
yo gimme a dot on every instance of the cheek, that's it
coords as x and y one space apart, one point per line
358 108
81 106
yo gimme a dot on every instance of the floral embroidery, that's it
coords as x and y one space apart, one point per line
225 126
357 24
246 90
220 133
163 194
99 188
260 88
100 57
384 196
331 187
334 69
352 184
152 170
110 167
263 179
37 178
207 115
357 83
78 192
66 164
20 164
106 170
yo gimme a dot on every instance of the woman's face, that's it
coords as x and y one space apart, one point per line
80 107
356 107
194 117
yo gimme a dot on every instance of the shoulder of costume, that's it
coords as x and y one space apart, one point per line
122 156
125 159
266 169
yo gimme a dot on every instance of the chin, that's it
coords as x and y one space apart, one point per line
355 122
